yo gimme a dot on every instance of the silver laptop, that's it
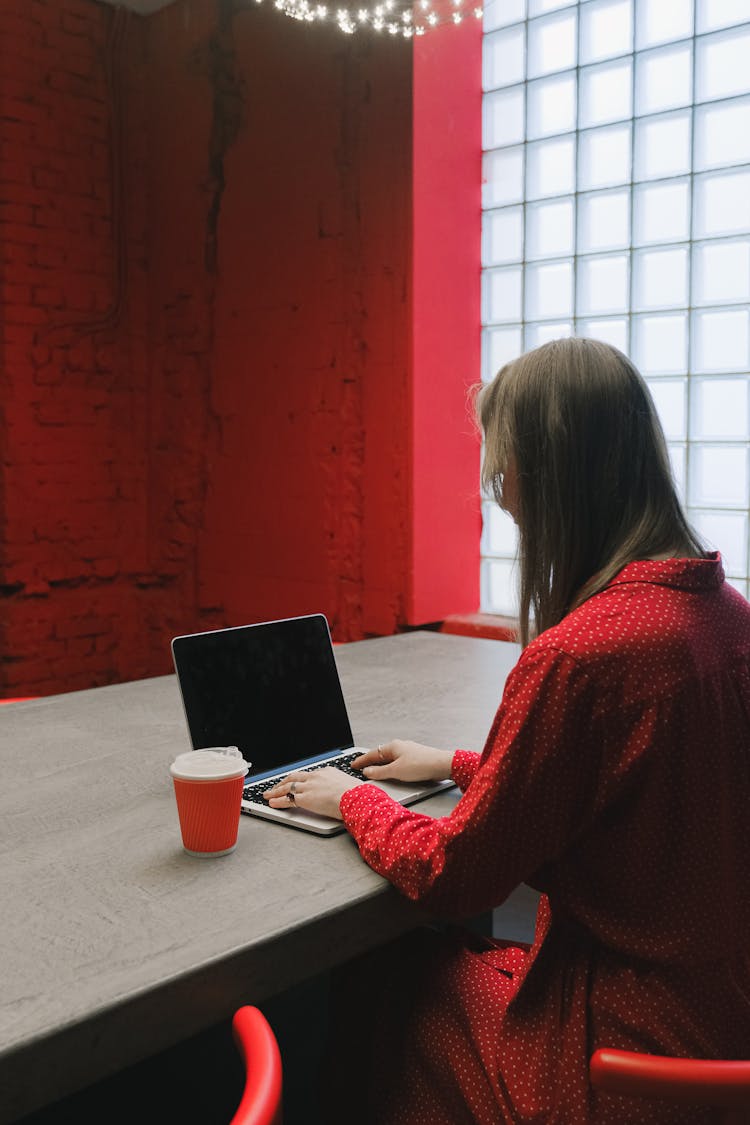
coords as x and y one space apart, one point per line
273 690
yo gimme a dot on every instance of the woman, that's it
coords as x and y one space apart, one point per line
615 780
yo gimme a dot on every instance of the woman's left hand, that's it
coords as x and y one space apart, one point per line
318 791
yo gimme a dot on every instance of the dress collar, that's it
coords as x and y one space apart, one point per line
685 574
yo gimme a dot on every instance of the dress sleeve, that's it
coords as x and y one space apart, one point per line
463 768
531 792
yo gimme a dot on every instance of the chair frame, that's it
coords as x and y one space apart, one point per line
714 1082
261 1102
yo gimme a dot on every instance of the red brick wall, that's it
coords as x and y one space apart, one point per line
74 363
311 331
205 333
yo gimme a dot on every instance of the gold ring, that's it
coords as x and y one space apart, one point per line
290 794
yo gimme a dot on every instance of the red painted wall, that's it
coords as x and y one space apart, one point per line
208 382
445 514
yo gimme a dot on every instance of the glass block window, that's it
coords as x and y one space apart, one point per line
616 204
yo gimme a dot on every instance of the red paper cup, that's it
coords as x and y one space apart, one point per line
208 788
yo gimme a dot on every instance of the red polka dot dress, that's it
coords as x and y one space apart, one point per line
615 780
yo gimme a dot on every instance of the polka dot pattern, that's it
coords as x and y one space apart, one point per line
615 779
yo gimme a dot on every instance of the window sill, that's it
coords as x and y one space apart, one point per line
489 625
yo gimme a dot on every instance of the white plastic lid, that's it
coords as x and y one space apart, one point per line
209 763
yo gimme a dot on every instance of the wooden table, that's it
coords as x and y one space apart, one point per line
114 943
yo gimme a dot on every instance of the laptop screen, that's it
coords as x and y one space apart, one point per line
271 689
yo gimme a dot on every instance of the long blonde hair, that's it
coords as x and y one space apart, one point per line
595 487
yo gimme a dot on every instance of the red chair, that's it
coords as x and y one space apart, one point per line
710 1082
259 1050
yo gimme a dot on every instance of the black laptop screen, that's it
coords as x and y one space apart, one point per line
271 689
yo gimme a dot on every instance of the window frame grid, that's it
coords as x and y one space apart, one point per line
689 243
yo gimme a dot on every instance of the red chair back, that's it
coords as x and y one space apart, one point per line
259 1050
711 1082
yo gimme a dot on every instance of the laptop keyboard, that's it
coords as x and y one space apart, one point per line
255 791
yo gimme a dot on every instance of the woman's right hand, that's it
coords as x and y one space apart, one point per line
401 760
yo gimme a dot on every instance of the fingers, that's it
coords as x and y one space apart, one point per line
366 759
377 763
380 756
374 773
318 792
286 793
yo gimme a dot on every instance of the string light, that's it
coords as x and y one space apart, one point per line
387 15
